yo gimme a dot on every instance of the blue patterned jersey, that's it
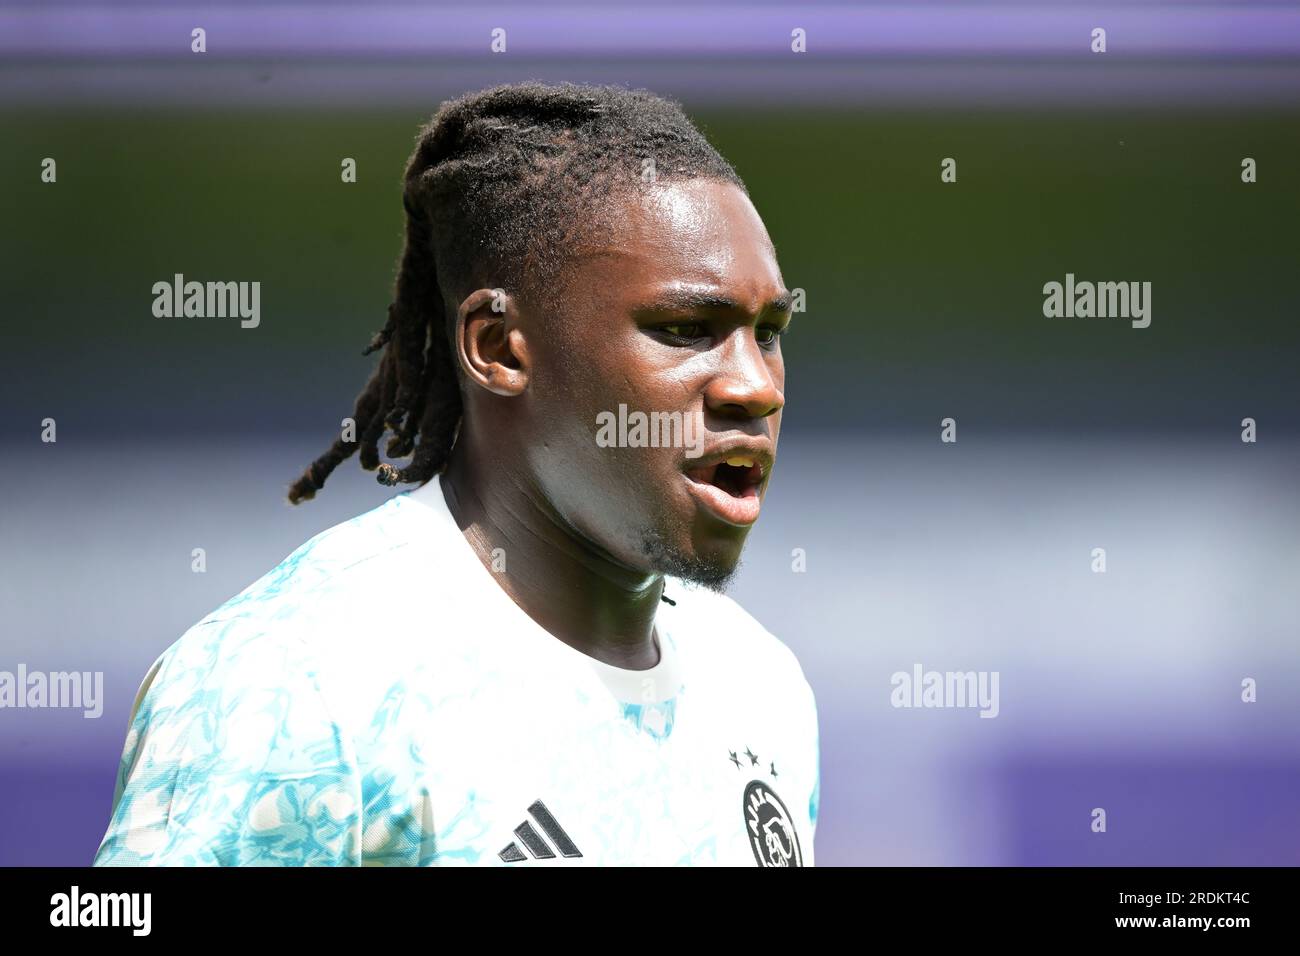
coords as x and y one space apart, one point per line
378 699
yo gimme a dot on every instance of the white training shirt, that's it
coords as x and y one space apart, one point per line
378 699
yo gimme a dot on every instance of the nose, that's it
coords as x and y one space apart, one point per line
747 382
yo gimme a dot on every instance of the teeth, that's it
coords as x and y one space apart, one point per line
739 461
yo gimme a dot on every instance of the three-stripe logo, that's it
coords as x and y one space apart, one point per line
533 841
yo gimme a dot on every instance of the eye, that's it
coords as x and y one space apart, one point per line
768 335
683 331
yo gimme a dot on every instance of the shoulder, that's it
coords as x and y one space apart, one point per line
232 756
752 676
333 586
246 662
228 699
241 727
717 626
337 559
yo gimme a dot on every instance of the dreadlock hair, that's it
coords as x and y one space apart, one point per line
501 186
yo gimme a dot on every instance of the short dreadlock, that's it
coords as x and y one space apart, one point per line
499 186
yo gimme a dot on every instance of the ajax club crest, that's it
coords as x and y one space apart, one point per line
771 830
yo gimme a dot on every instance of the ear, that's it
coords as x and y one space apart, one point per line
490 344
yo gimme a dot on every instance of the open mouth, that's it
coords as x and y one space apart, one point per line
728 489
739 476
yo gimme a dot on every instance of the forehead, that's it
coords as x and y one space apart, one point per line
699 233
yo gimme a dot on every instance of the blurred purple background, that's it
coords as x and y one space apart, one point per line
897 54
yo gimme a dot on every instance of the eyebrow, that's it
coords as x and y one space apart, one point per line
690 300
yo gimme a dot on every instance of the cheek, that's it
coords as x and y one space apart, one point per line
580 382
577 385
565 400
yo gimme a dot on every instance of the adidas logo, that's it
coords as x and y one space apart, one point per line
533 842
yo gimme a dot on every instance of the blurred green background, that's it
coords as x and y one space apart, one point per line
922 296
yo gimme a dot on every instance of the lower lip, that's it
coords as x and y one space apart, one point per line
741 512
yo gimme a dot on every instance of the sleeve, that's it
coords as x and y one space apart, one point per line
232 759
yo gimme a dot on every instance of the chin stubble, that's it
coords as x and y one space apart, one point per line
666 559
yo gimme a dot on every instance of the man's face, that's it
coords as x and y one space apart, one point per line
675 316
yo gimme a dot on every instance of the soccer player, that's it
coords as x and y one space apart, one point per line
528 659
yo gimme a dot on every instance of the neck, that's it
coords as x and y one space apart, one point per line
583 598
